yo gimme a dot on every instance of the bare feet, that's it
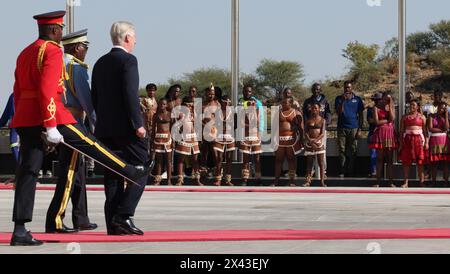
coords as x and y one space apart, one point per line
308 181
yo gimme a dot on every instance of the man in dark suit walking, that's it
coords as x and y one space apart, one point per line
115 95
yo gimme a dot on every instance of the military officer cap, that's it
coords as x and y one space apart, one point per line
51 18
76 37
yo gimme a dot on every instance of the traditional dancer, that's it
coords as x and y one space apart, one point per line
414 142
188 147
149 106
290 139
209 131
438 126
314 145
384 139
225 145
162 141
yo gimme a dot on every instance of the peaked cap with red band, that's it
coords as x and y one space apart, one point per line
51 18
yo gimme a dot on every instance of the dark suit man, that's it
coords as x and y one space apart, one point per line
115 88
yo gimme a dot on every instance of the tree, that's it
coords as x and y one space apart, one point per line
390 50
360 54
441 32
365 70
441 59
275 76
203 78
421 43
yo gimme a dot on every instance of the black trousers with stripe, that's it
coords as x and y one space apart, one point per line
71 184
32 154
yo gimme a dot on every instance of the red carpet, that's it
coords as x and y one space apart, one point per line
242 235
269 190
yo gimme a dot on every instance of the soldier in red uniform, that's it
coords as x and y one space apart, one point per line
38 94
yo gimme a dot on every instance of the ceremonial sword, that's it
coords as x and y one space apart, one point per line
44 136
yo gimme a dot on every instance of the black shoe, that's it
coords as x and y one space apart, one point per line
126 225
26 240
87 227
118 231
64 230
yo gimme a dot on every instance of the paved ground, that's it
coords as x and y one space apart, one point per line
173 211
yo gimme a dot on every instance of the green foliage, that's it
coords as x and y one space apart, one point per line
390 50
275 76
360 54
203 78
441 59
421 42
441 32
365 70
445 67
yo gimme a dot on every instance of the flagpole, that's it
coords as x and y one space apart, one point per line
402 56
235 57
70 16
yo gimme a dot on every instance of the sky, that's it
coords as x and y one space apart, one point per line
179 36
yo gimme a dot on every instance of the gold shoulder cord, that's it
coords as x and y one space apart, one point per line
70 73
70 81
64 77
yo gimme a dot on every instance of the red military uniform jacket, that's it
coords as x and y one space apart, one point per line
39 87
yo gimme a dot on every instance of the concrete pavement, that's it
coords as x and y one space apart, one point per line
185 211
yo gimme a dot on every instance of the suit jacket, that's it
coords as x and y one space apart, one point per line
115 95
40 74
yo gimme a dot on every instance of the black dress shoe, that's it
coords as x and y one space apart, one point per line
117 231
26 240
126 225
64 230
87 227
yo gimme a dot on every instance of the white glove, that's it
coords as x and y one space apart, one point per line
53 136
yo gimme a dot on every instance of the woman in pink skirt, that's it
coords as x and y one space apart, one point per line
438 125
384 139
